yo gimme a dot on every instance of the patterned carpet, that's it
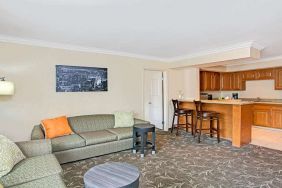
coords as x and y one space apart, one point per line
181 162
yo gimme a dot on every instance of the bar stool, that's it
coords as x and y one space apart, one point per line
206 115
182 112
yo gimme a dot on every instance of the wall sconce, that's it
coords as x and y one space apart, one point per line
6 87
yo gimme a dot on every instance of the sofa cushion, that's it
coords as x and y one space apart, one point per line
56 127
67 142
98 137
47 182
10 155
124 119
31 169
80 124
122 132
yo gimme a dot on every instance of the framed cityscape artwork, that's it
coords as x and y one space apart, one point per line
81 79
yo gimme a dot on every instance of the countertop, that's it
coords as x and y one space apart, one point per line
239 101
232 102
263 101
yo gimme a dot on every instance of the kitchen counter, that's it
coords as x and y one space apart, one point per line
236 118
239 101
233 102
263 101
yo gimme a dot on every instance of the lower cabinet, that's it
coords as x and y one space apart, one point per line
277 118
267 115
262 117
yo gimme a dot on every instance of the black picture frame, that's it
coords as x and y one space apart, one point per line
81 79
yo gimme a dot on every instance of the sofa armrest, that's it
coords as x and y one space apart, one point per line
37 133
35 147
140 121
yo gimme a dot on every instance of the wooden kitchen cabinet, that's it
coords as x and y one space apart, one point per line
277 118
205 81
234 81
264 74
226 80
209 81
268 115
215 81
237 82
278 78
262 115
249 75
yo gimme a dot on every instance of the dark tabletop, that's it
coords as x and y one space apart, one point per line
144 126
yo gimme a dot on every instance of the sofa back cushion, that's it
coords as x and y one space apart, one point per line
80 124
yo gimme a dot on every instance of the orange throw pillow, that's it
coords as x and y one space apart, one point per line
56 127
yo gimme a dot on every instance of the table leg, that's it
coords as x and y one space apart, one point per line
143 142
153 142
134 141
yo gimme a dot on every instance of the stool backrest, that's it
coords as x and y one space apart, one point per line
175 104
198 105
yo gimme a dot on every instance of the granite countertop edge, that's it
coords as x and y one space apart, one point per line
233 102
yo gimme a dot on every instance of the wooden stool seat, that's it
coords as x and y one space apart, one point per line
184 111
207 114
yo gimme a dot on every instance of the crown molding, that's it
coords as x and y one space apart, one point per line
41 43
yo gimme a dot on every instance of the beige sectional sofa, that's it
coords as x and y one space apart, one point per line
94 135
40 169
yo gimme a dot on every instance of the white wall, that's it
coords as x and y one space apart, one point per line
262 89
258 88
185 81
32 69
191 83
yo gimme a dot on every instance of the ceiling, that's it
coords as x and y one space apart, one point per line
160 29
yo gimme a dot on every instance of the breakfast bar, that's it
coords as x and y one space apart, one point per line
236 118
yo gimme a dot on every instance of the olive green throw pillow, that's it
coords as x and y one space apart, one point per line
10 155
124 119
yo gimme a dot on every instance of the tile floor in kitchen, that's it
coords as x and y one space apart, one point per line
267 137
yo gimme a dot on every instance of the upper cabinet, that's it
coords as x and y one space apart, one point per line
264 74
278 78
215 81
238 82
226 81
249 75
209 81
234 81
261 74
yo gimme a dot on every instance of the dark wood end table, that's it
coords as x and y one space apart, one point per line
142 130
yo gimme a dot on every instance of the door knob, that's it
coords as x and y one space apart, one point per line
150 103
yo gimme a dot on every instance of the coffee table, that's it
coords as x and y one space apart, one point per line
112 175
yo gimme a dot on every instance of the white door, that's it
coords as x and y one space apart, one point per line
153 97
